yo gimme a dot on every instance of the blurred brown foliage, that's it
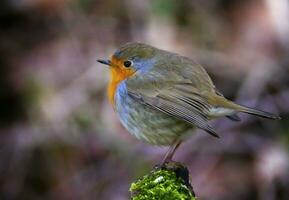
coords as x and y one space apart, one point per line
59 136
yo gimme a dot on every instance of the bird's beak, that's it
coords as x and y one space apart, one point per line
104 61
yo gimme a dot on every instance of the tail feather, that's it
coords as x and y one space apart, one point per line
234 117
221 101
258 113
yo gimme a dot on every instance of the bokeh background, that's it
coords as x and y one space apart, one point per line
59 137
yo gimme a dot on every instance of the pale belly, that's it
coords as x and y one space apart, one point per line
145 123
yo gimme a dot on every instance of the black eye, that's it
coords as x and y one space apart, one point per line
127 63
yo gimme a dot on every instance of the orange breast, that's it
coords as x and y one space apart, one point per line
118 73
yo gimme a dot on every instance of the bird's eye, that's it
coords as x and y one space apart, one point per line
127 63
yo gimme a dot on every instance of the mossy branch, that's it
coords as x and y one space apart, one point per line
170 182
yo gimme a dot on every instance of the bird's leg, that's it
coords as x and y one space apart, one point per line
170 153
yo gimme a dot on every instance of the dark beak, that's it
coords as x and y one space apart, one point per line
105 62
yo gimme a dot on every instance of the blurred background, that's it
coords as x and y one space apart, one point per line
59 137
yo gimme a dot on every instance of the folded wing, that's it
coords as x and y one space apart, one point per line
180 100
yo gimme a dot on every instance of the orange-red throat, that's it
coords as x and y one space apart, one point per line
118 73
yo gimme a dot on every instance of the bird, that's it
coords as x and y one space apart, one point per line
160 97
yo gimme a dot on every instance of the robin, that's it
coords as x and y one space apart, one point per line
161 96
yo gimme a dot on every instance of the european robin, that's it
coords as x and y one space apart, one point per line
161 96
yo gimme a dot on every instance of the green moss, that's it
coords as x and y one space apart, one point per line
161 184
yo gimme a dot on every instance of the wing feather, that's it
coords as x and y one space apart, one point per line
176 109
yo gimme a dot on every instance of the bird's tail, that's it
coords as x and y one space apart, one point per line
258 113
223 102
